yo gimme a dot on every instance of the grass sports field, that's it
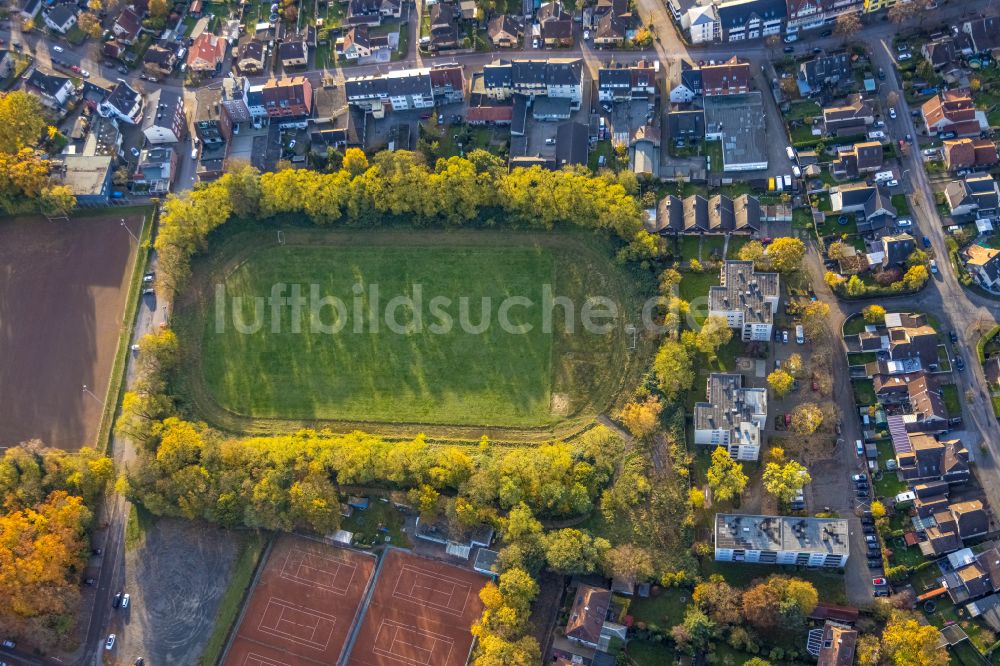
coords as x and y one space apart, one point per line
261 363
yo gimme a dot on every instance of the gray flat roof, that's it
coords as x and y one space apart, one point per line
740 120
782 533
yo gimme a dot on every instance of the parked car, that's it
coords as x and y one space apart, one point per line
784 337
953 336
959 363
110 643
881 74
58 49
790 152
9 644
859 448
817 50
904 223
117 600
892 112
892 183
926 241
134 151
934 268
789 49
880 582
125 600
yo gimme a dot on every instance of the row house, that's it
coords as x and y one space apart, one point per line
969 153
358 43
810 14
751 19
717 215
623 84
728 78
403 90
287 98
556 77
371 12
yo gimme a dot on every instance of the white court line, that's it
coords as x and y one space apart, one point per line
260 660
304 556
292 638
423 601
396 627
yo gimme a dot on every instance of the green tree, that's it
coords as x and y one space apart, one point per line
574 552
714 333
699 628
874 314
22 120
674 369
725 476
807 418
780 382
785 481
785 254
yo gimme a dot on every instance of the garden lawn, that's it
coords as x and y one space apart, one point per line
864 392
365 372
949 393
664 610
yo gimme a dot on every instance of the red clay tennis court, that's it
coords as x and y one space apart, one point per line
419 615
303 606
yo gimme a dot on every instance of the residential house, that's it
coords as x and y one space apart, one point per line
624 84
160 59
849 120
556 24
837 644
974 195
922 458
751 19
729 78
87 176
953 112
293 53
745 298
588 616
444 26
612 29
504 31
860 159
127 26
940 53
689 86
155 170
984 34
250 57
555 77
30 9
644 145
372 12
810 14
971 575
358 42
686 126
212 122
870 203
897 249
969 154
447 83
732 416
702 23
52 89
951 526
61 17
288 98
984 265
823 72
164 120
123 103
400 90
206 53
113 49
791 540
233 99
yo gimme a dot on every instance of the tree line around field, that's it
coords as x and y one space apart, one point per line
25 182
43 538
398 186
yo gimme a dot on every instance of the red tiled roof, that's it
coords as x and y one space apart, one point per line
490 114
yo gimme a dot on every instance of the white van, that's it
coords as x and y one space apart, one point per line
790 152
800 335
883 176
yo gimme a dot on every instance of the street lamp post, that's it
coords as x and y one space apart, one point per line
92 394
125 227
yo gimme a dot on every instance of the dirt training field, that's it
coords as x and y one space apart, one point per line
62 297
303 605
420 614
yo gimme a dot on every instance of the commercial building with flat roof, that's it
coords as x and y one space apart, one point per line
738 122
816 542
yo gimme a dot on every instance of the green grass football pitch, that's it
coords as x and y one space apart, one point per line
375 374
